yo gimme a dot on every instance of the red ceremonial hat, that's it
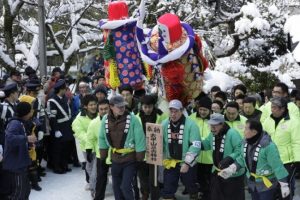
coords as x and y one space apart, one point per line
117 10
170 27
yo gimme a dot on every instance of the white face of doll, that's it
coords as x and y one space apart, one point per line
164 32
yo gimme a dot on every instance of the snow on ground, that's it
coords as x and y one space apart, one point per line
70 186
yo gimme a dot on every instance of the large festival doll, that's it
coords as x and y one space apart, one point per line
123 65
175 51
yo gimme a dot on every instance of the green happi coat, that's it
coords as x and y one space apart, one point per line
190 142
232 148
268 164
135 138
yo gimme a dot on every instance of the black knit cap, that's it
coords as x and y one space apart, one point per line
204 102
148 100
22 109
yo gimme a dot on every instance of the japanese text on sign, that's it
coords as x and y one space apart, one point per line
154 140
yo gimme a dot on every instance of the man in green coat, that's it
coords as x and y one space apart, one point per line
226 144
123 133
265 170
181 146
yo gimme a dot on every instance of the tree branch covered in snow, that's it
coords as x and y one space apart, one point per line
71 25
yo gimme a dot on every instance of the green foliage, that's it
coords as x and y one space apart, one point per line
259 80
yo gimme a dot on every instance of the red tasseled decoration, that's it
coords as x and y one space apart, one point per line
173 73
200 54
150 71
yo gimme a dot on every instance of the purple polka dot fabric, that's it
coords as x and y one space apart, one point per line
127 55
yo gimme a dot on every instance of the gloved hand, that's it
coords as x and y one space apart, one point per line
58 134
184 168
1 153
227 172
40 135
226 162
285 190
89 155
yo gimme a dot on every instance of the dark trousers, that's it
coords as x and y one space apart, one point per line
19 186
48 150
39 148
146 177
73 157
291 178
4 180
227 189
204 176
60 153
101 180
33 173
123 175
171 178
266 195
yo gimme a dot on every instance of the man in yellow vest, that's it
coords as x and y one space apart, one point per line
284 131
100 167
204 160
279 90
233 118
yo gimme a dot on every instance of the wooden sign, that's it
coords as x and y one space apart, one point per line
154 141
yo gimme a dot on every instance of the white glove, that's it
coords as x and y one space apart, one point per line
58 134
285 190
227 172
1 152
40 135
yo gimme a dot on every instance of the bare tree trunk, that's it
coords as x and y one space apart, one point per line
8 31
9 17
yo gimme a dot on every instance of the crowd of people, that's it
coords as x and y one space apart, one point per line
212 145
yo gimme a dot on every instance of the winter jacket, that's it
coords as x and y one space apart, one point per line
16 156
134 139
232 148
255 115
268 164
92 137
59 114
159 118
238 124
190 141
205 157
80 127
286 136
266 111
76 105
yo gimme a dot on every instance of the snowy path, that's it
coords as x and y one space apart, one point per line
70 186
